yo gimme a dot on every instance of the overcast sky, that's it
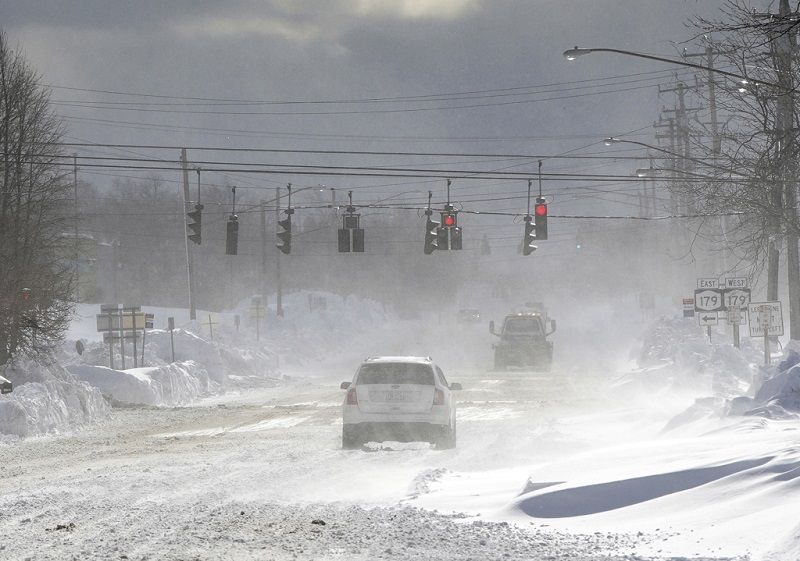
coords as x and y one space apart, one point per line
304 50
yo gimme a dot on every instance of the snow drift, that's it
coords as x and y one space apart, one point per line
47 398
173 384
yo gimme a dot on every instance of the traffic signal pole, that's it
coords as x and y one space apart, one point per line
278 288
189 248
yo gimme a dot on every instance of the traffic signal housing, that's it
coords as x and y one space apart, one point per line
196 224
285 234
449 232
431 234
540 210
529 239
351 235
232 236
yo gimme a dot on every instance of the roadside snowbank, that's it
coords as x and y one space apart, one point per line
676 356
47 398
173 384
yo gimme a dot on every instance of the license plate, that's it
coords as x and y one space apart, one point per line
395 396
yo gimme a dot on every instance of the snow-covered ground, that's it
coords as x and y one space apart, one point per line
671 455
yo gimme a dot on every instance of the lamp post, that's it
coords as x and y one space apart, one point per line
572 54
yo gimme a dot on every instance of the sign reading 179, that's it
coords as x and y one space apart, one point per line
708 300
737 297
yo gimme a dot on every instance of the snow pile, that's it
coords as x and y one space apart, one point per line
47 398
779 394
676 355
173 384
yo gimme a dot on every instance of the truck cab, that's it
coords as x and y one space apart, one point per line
523 341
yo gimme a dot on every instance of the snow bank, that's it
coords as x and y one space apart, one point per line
676 355
47 398
174 384
778 397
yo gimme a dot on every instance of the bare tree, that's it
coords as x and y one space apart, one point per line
36 257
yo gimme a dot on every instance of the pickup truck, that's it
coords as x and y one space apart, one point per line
523 342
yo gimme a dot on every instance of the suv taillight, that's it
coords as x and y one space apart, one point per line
352 398
438 397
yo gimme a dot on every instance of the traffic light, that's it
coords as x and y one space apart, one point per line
232 236
455 238
431 234
350 229
449 232
541 218
285 236
449 220
529 240
196 225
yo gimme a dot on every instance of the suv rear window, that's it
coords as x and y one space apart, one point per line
395 373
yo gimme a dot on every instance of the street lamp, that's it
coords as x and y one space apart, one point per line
572 54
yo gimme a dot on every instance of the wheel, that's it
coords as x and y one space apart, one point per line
447 439
351 439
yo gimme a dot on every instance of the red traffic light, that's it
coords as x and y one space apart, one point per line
448 220
541 209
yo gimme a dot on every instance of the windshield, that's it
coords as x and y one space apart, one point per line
395 373
526 325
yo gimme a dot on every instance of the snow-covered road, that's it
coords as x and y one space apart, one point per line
261 476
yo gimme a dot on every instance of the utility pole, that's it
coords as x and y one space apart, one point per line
264 248
278 288
784 47
716 143
673 161
189 248
77 244
682 134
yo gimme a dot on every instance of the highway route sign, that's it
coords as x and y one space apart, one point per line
736 297
766 318
708 300
707 318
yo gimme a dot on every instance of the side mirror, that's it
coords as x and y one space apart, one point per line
344 385
491 327
552 326
456 386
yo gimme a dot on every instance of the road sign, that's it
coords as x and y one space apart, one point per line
736 282
737 297
707 283
707 318
688 307
149 321
111 322
766 318
736 315
708 300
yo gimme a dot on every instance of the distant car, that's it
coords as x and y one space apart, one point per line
468 315
523 342
402 398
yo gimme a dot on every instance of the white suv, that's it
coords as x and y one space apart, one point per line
405 398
